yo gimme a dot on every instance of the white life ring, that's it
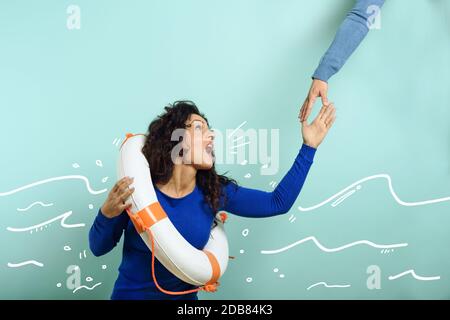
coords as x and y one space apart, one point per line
197 267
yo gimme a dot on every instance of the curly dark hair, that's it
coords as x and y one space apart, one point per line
158 147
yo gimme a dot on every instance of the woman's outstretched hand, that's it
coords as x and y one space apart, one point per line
314 133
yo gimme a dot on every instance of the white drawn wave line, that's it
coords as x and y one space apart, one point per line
391 189
37 183
328 250
61 217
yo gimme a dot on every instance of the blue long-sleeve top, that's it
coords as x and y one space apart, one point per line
193 218
348 37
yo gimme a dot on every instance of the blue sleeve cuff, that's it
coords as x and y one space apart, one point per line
104 220
307 152
323 72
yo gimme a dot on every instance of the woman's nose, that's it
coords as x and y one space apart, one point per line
211 135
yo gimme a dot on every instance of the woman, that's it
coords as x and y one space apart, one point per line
191 193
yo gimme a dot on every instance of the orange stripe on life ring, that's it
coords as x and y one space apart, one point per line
158 212
147 217
215 267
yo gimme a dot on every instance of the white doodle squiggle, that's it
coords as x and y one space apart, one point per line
342 198
86 287
328 286
84 254
321 247
34 184
391 189
63 218
35 203
240 145
21 264
236 129
116 142
411 271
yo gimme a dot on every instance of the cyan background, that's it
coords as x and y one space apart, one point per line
66 95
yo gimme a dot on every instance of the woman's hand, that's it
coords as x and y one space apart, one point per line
314 133
115 203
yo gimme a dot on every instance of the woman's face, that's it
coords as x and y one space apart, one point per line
199 146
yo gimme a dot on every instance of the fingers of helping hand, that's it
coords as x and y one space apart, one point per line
311 100
305 106
323 94
302 118
302 109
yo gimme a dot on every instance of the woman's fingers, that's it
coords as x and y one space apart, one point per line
125 206
123 184
328 112
125 195
126 182
331 122
118 184
322 112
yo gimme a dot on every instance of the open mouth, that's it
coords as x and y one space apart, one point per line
209 148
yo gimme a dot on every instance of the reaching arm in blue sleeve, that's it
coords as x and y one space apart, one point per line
348 37
253 203
105 232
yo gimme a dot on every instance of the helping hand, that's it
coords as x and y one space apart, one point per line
318 88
